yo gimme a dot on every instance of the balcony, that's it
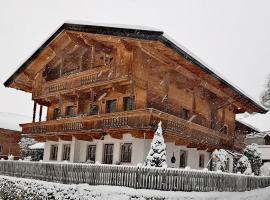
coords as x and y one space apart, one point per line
78 81
136 120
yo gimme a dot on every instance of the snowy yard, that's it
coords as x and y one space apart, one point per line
33 189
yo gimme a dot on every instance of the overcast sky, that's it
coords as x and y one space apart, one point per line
232 36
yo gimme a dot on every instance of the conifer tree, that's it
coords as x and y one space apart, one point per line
157 153
254 156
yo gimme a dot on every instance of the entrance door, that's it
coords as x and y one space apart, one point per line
108 154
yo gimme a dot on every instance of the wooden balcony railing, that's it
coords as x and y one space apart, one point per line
82 80
142 119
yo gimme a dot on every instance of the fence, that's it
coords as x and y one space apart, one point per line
131 176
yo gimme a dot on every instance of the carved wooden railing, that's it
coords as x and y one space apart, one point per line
143 119
94 77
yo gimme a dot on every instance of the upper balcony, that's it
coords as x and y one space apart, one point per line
137 122
78 81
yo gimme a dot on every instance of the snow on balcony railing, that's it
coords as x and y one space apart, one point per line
131 176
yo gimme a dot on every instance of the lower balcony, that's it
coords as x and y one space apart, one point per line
140 123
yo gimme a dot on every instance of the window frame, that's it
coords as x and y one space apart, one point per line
186 158
130 100
201 160
88 152
123 157
54 156
106 156
66 154
108 108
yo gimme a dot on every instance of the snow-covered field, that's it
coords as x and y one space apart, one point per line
33 189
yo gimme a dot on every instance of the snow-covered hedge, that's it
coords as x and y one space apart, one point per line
265 169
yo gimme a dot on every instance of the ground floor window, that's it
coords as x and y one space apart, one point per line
91 153
126 149
183 158
54 151
108 154
66 152
201 161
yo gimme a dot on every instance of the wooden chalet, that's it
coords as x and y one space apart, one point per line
106 88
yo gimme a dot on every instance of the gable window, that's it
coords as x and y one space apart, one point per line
1 149
185 113
93 109
54 151
128 103
91 153
126 150
56 113
70 111
183 158
66 152
201 161
108 154
111 106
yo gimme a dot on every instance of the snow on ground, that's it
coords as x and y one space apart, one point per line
84 191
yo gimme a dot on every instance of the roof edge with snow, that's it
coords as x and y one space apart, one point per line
138 34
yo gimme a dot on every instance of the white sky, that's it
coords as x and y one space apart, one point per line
232 36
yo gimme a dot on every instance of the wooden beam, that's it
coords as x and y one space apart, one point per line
116 135
65 137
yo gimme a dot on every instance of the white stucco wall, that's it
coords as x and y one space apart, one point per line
140 148
265 150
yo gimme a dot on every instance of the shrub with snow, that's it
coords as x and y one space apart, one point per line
220 160
10 157
265 169
157 153
254 156
243 164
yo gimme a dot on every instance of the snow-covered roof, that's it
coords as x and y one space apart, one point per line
258 135
39 145
248 125
146 34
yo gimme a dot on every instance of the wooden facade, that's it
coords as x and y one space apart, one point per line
9 140
102 80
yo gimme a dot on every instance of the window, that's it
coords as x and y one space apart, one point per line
93 109
66 152
183 158
111 106
56 113
1 149
54 151
70 111
108 154
185 114
201 161
91 153
126 149
128 103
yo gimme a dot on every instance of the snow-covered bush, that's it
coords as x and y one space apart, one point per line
254 156
265 169
220 160
24 146
28 154
157 153
243 164
10 157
